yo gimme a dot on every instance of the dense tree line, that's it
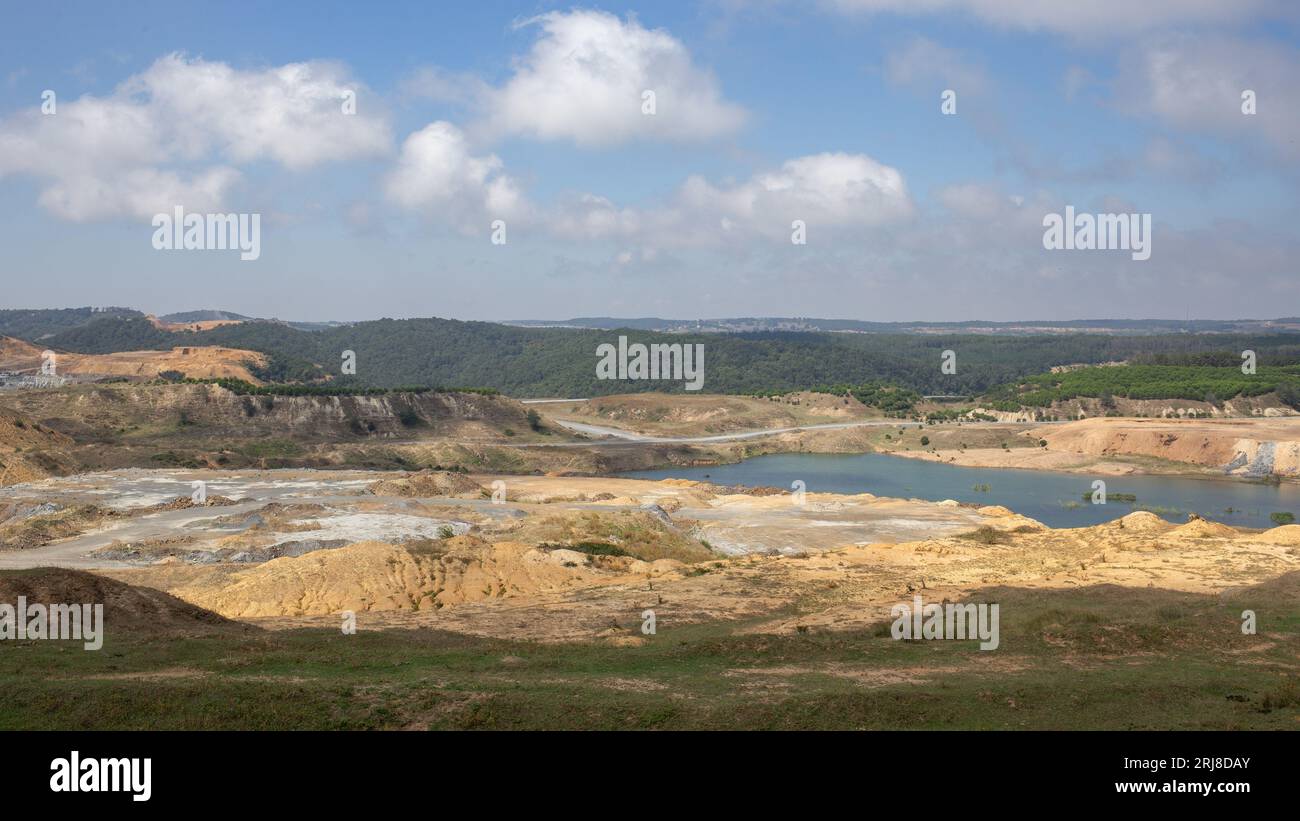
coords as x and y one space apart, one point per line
38 323
1195 382
891 399
242 387
562 361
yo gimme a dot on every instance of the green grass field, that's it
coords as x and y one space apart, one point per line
1102 657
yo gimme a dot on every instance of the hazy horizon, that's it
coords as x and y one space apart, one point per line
636 317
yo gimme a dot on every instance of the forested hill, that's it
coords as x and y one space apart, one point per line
530 362
36 324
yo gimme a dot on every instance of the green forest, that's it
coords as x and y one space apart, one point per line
1204 383
887 370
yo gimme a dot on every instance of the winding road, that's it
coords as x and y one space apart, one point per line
619 436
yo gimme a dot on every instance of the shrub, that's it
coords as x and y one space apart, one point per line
985 535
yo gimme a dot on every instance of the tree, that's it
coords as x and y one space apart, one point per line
1289 395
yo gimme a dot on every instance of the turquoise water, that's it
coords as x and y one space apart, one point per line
1055 499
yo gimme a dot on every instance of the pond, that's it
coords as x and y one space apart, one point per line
1055 499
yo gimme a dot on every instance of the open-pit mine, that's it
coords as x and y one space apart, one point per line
451 560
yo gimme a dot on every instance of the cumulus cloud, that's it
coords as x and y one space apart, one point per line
171 134
834 190
437 175
830 192
584 80
1098 17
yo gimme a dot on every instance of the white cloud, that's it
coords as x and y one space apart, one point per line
168 135
292 114
1096 17
437 175
1195 82
831 193
584 78
923 62
140 192
827 189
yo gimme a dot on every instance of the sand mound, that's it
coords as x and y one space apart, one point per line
29 450
1143 521
198 362
1203 529
137 611
1283 535
995 510
23 527
1017 523
429 483
378 576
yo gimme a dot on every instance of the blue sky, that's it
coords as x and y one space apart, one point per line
768 112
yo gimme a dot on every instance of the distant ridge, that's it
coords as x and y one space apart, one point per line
811 324
743 356
35 324
205 316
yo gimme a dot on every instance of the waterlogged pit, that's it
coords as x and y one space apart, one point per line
1053 498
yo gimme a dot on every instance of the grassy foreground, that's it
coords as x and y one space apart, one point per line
1092 658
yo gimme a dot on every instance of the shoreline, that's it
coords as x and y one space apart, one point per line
1137 470
860 441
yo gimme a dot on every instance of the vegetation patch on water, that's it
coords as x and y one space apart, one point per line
1114 497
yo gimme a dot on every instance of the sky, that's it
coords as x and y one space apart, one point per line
867 159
